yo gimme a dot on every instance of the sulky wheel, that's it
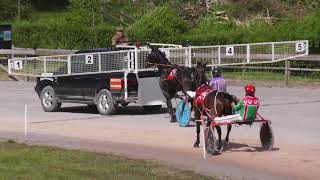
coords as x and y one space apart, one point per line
210 141
183 113
266 136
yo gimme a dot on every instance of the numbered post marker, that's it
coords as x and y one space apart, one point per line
89 59
229 51
300 47
17 65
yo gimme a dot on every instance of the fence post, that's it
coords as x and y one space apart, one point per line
69 64
219 55
99 60
136 65
272 51
190 56
287 72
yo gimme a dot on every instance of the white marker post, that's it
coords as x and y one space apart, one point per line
204 142
25 119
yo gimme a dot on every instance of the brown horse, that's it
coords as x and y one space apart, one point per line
215 104
182 80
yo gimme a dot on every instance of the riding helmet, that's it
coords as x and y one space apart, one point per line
216 73
250 90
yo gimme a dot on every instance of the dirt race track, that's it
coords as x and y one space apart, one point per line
295 120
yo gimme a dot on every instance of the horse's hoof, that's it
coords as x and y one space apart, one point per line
173 120
217 152
226 143
196 145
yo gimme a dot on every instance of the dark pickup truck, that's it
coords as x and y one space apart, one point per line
103 90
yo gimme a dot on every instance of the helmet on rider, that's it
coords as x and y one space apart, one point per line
250 90
216 73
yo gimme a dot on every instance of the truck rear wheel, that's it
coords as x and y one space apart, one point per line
105 104
48 100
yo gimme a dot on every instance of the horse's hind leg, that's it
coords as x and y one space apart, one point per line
196 144
219 135
228 132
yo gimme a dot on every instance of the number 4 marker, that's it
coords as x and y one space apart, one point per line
229 51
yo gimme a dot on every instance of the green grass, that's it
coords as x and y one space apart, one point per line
4 75
270 76
253 76
45 16
19 161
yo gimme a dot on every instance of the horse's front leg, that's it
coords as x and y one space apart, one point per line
169 106
227 136
219 135
198 124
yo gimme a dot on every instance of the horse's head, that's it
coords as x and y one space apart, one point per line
199 73
156 58
185 77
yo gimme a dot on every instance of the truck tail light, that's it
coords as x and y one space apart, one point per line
116 83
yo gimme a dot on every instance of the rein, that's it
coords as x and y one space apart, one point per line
158 64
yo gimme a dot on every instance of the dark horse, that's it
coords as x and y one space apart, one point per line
216 104
182 80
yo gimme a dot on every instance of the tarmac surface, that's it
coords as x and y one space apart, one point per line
135 133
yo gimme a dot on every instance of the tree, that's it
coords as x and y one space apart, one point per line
9 9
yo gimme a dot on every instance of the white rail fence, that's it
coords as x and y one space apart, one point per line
134 60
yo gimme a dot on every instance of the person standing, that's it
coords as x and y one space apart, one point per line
119 38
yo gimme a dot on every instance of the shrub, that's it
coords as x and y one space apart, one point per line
61 35
162 25
9 10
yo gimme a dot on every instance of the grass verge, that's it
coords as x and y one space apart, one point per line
18 161
269 76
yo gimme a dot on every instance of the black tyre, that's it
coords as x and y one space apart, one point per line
105 103
152 108
266 137
92 107
124 104
48 100
210 141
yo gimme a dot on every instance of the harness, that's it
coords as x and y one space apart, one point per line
172 74
201 95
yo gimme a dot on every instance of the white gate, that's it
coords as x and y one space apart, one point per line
134 60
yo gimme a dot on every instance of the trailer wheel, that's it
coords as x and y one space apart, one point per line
105 104
266 137
48 100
